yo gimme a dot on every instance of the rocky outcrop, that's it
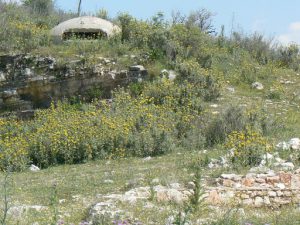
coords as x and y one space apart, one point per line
28 81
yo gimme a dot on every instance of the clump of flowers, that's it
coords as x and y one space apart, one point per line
147 125
248 146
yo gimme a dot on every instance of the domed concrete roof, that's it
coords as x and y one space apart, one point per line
85 24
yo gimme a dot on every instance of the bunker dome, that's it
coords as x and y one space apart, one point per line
84 27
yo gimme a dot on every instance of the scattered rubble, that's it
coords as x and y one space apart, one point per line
293 144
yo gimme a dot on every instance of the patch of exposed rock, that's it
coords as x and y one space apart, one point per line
28 81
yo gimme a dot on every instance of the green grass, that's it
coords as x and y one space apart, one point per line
81 185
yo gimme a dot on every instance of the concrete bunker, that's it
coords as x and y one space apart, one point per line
85 27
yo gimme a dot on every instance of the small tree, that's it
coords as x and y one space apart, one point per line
125 20
40 7
202 19
103 14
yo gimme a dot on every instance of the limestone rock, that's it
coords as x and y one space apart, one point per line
247 202
104 209
214 198
248 182
295 181
18 211
231 89
233 177
267 200
280 185
9 93
34 168
283 145
294 143
287 166
2 77
259 201
257 85
170 195
285 178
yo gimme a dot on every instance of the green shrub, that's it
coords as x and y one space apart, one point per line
232 119
248 146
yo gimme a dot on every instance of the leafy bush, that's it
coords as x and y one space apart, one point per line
149 124
248 146
232 119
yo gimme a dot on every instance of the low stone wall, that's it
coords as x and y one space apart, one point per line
266 189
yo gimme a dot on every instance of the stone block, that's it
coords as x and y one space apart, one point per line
248 182
244 196
285 178
228 183
259 201
248 202
273 180
267 200
214 198
272 194
295 181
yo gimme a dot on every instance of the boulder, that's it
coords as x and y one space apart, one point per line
2 77
9 93
294 143
257 85
34 168
286 166
258 202
283 145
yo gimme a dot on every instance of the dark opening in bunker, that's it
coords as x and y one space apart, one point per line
93 35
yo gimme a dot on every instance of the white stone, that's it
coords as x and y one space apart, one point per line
285 165
61 201
279 160
175 185
257 85
294 143
267 200
28 72
2 77
248 201
172 75
18 211
258 201
9 93
237 185
272 194
271 173
260 169
231 177
147 158
155 181
268 156
211 165
283 145
34 168
231 89
108 181
280 185
214 106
